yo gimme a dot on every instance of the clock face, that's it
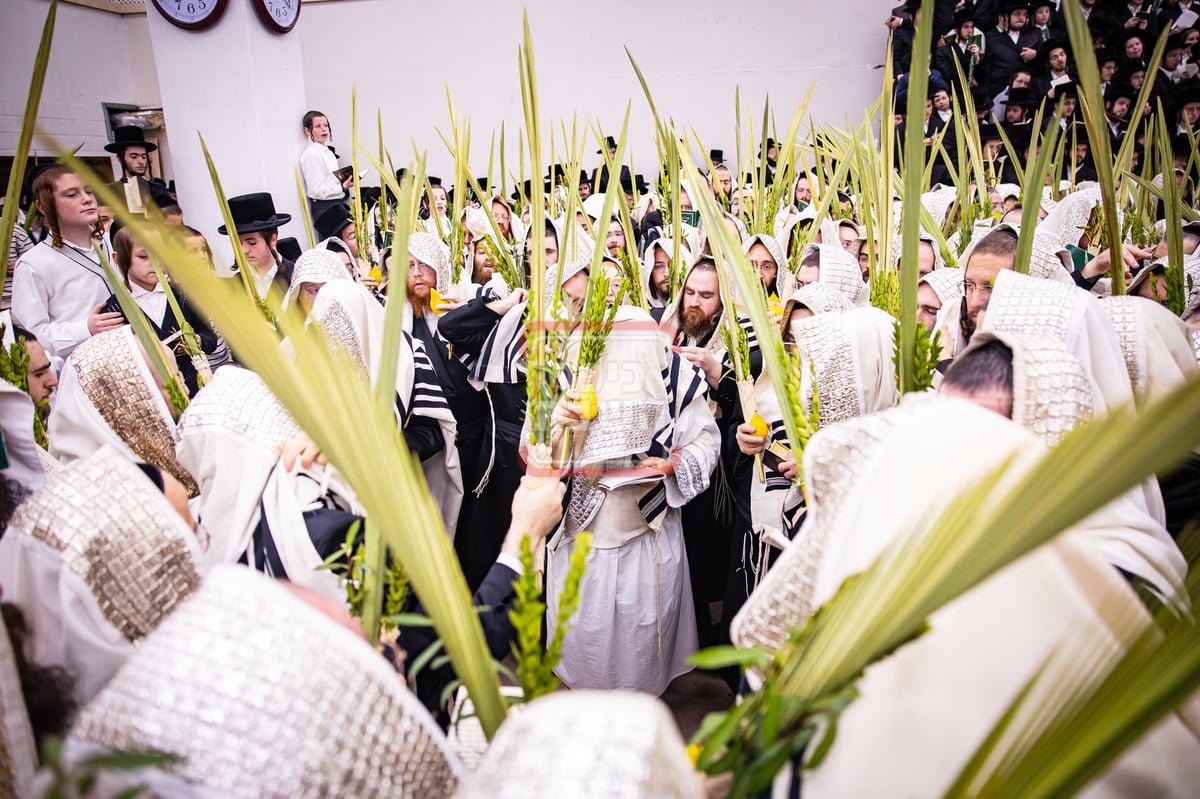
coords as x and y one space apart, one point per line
191 14
278 15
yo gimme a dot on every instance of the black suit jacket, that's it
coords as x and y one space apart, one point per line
1004 57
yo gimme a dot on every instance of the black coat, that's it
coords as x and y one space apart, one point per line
1003 57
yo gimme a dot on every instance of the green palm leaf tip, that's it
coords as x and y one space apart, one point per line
14 367
535 664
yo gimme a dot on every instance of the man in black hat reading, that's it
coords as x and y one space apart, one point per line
257 225
964 48
130 146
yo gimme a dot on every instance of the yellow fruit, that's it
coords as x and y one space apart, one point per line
375 274
774 304
759 424
589 406
435 301
693 752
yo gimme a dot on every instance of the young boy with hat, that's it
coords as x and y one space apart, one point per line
257 226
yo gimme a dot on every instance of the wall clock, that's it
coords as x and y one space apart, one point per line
192 15
278 15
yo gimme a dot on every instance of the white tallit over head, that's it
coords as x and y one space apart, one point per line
318 265
16 422
352 319
777 254
1068 220
429 250
95 559
852 352
838 269
249 685
956 679
1155 344
647 265
608 744
107 395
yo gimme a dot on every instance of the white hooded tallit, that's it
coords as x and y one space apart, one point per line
236 419
95 559
318 265
838 269
353 321
647 265
108 396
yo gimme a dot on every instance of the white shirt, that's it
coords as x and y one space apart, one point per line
53 297
263 284
153 303
317 164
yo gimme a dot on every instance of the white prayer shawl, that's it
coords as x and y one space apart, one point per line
107 396
955 679
354 320
236 419
1156 346
948 285
647 265
17 747
95 559
838 269
636 623
318 265
16 423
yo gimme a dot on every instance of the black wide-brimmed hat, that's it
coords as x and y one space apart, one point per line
129 136
288 249
332 221
253 213
1022 96
716 156
964 15
1008 8
610 143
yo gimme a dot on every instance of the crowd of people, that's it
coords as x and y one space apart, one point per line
134 518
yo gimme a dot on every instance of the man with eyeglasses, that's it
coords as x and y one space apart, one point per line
995 252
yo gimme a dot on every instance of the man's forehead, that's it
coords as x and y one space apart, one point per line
702 280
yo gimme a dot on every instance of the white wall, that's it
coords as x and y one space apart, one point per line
403 55
97 57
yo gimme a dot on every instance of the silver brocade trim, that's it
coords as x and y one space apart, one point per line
262 696
605 745
239 402
584 504
1053 394
621 429
689 476
107 530
1044 262
110 372
339 329
1122 310
824 340
821 298
1038 307
786 597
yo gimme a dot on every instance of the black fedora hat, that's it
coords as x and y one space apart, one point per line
964 15
584 178
716 156
1115 90
288 249
640 180
610 143
254 212
434 180
332 221
1008 8
129 136
1022 96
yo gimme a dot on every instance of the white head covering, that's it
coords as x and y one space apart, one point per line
96 559
16 422
777 254
947 284
354 321
667 246
259 694
318 265
938 203
108 396
607 744
1155 343
1070 217
429 250
818 298
1024 304
18 752
853 355
838 269
234 419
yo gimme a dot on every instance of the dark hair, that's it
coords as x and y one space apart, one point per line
1001 243
47 689
311 116
987 367
12 494
21 333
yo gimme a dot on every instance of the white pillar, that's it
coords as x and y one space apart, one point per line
242 86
